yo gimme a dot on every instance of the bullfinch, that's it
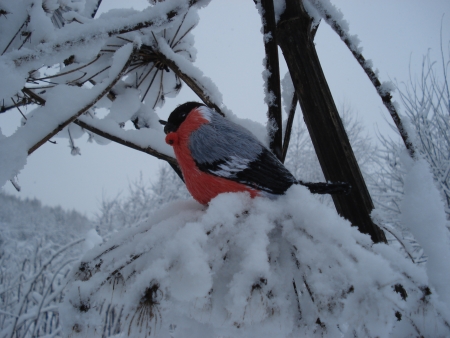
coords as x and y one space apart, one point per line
217 156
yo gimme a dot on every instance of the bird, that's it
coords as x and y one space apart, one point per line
217 156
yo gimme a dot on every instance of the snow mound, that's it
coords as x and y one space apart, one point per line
245 267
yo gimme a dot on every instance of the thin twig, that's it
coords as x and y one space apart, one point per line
290 121
398 239
10 42
95 34
68 72
194 83
148 150
33 96
17 106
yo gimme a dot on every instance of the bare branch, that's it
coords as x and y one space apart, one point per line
290 121
18 31
33 96
84 123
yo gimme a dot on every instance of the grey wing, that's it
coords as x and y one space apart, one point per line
227 150
223 148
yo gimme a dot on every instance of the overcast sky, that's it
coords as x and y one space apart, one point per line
394 35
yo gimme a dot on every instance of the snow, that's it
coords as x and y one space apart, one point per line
92 239
125 106
423 212
228 270
240 267
12 81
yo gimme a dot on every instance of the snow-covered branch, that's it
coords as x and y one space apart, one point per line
334 18
140 140
67 38
205 89
50 119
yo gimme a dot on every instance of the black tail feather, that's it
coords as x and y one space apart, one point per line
339 188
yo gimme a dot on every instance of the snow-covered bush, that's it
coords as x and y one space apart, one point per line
245 267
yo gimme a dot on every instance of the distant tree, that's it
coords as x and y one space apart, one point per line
426 102
38 247
141 201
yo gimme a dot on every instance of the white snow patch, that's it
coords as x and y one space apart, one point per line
423 213
92 239
229 270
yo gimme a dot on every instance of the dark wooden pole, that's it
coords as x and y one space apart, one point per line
329 138
273 78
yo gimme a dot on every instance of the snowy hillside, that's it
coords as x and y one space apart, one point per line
38 246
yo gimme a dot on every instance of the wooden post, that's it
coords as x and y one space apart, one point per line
327 132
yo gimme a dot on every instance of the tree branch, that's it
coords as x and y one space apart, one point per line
385 95
92 31
84 123
325 127
197 84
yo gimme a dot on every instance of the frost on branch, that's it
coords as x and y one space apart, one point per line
250 267
55 56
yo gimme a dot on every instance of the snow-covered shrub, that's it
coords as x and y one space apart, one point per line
247 267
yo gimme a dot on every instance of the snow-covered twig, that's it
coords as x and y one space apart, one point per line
205 89
122 139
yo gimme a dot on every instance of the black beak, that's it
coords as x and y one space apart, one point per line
169 127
